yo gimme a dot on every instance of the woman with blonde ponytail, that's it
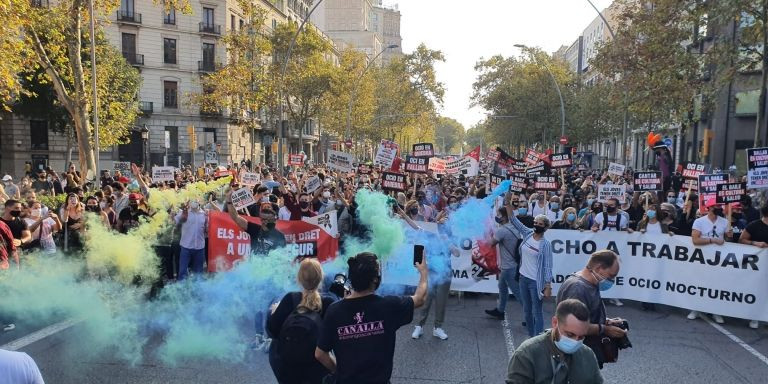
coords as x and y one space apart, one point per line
294 327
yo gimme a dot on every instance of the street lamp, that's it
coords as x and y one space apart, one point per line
357 85
557 87
144 138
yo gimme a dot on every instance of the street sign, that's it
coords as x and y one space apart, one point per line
563 140
348 143
668 142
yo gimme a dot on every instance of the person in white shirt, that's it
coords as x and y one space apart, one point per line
612 219
283 213
18 368
554 213
194 225
539 205
710 229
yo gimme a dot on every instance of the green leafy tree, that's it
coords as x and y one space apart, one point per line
449 134
348 82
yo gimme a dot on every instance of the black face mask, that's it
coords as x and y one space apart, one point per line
413 212
271 226
597 209
499 220
610 209
15 213
718 212
304 205
92 208
539 229
737 216
134 206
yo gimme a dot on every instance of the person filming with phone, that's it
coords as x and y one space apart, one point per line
361 329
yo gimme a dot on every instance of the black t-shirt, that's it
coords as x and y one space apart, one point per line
264 241
130 218
758 231
18 226
289 302
361 332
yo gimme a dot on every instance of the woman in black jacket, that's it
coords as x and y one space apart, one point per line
307 370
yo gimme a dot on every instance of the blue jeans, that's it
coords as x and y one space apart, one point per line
197 256
507 283
529 295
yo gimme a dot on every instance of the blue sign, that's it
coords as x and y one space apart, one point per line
668 142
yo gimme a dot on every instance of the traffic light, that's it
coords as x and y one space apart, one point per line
192 136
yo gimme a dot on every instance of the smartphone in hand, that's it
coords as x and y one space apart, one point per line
418 254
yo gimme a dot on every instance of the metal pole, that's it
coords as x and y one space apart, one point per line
280 85
357 85
95 109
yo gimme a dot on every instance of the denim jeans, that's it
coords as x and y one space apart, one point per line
507 283
529 295
196 256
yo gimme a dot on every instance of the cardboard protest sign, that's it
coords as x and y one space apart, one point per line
426 150
492 155
160 174
123 166
606 192
386 153
313 183
757 167
519 184
393 182
730 192
517 166
648 181
493 181
531 157
466 166
537 168
616 169
364 169
416 164
437 165
242 198
340 161
561 160
708 187
296 159
692 170
250 178
545 183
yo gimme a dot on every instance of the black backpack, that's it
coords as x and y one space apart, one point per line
298 336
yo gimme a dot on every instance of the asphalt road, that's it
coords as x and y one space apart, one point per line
668 348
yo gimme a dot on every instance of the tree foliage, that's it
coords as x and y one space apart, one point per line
350 82
449 134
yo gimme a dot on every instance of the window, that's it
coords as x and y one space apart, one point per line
170 17
242 23
209 138
173 136
38 134
170 92
232 22
209 53
208 17
127 7
129 47
274 24
169 51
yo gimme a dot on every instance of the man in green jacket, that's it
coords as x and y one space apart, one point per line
558 355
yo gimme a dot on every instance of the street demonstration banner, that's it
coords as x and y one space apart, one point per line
416 164
519 183
296 159
659 269
648 181
423 150
531 157
228 244
545 183
340 161
692 171
160 174
386 153
606 192
493 181
730 193
757 165
708 187
561 160
437 165
393 182
616 169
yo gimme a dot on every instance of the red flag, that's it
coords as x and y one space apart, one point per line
475 154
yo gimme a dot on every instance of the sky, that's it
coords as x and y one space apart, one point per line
466 31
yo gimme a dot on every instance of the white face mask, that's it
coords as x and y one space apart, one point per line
35 212
103 205
326 194
194 205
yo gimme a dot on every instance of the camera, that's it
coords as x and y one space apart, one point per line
339 286
623 343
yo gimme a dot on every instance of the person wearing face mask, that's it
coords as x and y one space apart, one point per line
11 189
412 210
42 185
711 228
557 356
554 213
507 237
43 228
587 207
130 216
12 218
650 222
612 219
585 286
425 210
568 220
194 225
539 206
92 205
322 202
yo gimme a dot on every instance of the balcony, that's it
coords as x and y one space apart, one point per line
211 112
134 59
128 16
169 18
207 66
39 3
213 29
146 107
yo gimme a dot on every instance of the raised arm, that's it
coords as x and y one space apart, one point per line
239 220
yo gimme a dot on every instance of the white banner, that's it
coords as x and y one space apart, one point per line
466 165
616 169
160 174
326 221
313 183
611 191
340 161
727 279
242 198
386 154
250 178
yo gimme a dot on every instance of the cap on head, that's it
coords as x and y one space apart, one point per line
709 203
7 178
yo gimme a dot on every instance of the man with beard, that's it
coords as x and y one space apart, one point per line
12 218
129 217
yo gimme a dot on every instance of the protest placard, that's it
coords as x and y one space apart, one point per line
242 198
437 165
537 169
160 174
561 160
730 192
340 161
531 157
606 192
708 188
616 169
757 167
364 169
648 181
466 166
393 182
123 166
545 183
296 160
250 178
692 170
519 184
493 181
386 153
416 164
313 183
492 155
426 150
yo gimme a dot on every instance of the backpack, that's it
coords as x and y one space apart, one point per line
298 336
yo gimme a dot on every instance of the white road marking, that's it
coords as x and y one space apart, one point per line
736 339
39 335
510 340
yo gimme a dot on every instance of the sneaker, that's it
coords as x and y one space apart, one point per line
718 319
417 332
439 333
9 327
495 313
754 324
617 302
693 315
257 343
265 346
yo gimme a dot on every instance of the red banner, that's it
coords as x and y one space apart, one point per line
297 159
228 244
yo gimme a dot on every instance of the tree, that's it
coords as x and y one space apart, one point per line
348 82
449 134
